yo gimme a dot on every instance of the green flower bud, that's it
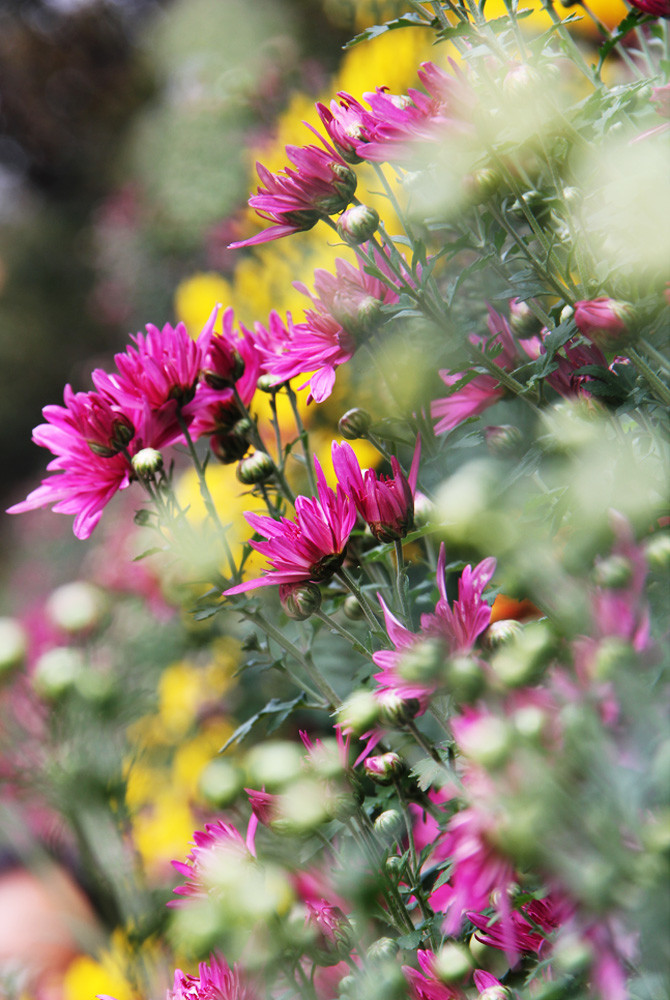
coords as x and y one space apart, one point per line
487 741
502 440
359 712
220 783
300 600
452 963
522 660
352 608
464 679
502 631
383 947
56 671
13 645
481 185
76 607
147 463
388 824
614 573
383 768
344 183
256 468
357 224
423 662
657 551
354 424
268 383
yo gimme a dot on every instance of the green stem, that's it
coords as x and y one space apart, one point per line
368 610
304 439
257 442
659 358
659 388
341 630
400 575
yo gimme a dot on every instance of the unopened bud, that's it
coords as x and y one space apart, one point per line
359 712
423 662
383 947
395 865
229 448
464 679
481 184
256 468
523 659
530 722
383 768
300 600
268 383
396 711
344 182
503 439
352 608
614 573
220 783
76 607
522 319
657 551
388 824
13 645
357 224
56 671
452 963
497 992
604 321
354 424
487 741
520 81
502 631
612 656
147 462
231 366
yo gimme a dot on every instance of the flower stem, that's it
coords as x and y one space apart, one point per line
400 581
304 439
328 620
368 610
659 389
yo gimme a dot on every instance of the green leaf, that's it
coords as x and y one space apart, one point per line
279 709
150 552
408 20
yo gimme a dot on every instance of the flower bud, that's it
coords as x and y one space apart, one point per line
268 383
524 657
604 321
383 947
481 184
522 319
357 224
452 963
227 365
229 448
487 741
464 679
76 607
497 992
502 440
335 935
359 712
502 631
396 711
147 462
388 824
256 468
657 551
354 424
613 655
423 662
383 768
352 608
395 865
614 573
13 645
56 671
300 600
344 182
220 783
520 81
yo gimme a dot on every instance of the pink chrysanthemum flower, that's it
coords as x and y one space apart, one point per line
395 123
604 321
86 437
483 390
567 380
290 349
530 926
461 623
489 987
390 679
312 547
164 365
212 847
424 985
231 364
319 184
385 503
216 981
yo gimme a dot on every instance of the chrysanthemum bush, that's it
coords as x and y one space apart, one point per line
469 636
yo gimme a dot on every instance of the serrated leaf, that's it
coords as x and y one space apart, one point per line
275 707
427 772
408 20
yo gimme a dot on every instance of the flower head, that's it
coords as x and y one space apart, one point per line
604 321
217 845
658 8
216 981
311 547
391 680
385 503
319 184
425 985
461 623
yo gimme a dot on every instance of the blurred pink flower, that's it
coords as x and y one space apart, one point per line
603 321
424 985
529 926
216 981
385 503
463 622
212 846
657 8
311 547
489 987
390 680
319 184
483 390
